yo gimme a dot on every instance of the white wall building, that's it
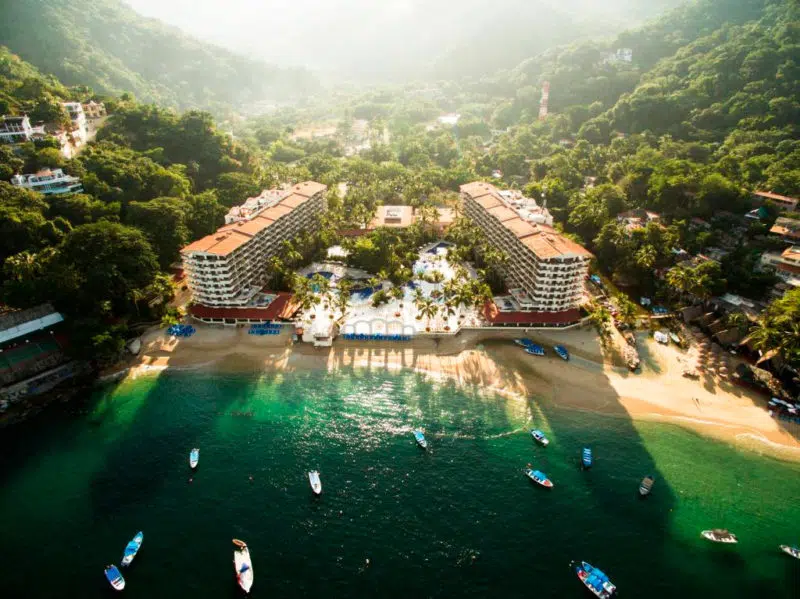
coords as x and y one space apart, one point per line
786 264
545 271
17 129
49 182
229 267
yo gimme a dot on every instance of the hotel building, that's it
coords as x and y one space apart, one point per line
49 182
229 267
545 271
17 129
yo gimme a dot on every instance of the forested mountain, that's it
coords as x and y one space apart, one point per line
400 40
105 45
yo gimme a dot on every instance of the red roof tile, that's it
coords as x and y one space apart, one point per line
282 307
495 316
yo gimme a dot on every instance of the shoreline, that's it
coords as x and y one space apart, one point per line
488 361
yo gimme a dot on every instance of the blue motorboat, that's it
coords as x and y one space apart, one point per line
194 457
539 477
535 350
523 342
562 352
420 439
115 578
132 548
539 437
586 457
595 580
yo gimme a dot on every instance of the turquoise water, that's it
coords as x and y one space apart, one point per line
459 520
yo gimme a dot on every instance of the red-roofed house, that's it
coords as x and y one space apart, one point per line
783 202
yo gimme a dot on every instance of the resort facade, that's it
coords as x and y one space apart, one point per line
49 182
229 268
545 271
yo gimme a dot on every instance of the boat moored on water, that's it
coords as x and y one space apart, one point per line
114 577
243 565
194 457
587 459
539 437
420 439
539 477
562 352
132 548
646 485
793 551
595 580
720 535
316 483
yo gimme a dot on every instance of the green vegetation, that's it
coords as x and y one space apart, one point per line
706 112
106 46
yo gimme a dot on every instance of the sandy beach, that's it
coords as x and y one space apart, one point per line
488 360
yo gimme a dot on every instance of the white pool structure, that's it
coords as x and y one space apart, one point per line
397 317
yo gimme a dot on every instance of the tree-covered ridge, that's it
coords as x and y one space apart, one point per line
105 45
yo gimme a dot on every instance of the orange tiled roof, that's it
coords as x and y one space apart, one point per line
294 200
503 213
220 244
477 189
308 188
249 227
519 227
275 212
549 243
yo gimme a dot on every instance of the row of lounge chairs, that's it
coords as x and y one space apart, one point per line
377 337
181 330
264 329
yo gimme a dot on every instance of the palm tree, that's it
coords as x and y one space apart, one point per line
301 286
428 309
627 310
397 292
680 279
600 317
345 286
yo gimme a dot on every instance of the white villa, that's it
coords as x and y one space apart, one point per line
18 129
49 182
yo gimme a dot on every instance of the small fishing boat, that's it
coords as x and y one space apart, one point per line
132 548
316 483
595 580
539 437
646 485
114 577
194 457
540 478
523 342
535 350
243 565
562 352
420 439
720 535
586 457
793 551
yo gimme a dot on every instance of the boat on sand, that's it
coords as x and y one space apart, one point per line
539 437
539 477
534 350
243 565
646 485
595 580
194 457
316 483
562 352
720 535
132 548
420 439
114 577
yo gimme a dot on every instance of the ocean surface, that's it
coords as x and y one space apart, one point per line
460 520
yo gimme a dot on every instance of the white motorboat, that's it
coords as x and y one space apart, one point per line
194 457
243 565
316 483
720 535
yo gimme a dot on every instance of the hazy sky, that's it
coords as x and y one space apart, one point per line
369 37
